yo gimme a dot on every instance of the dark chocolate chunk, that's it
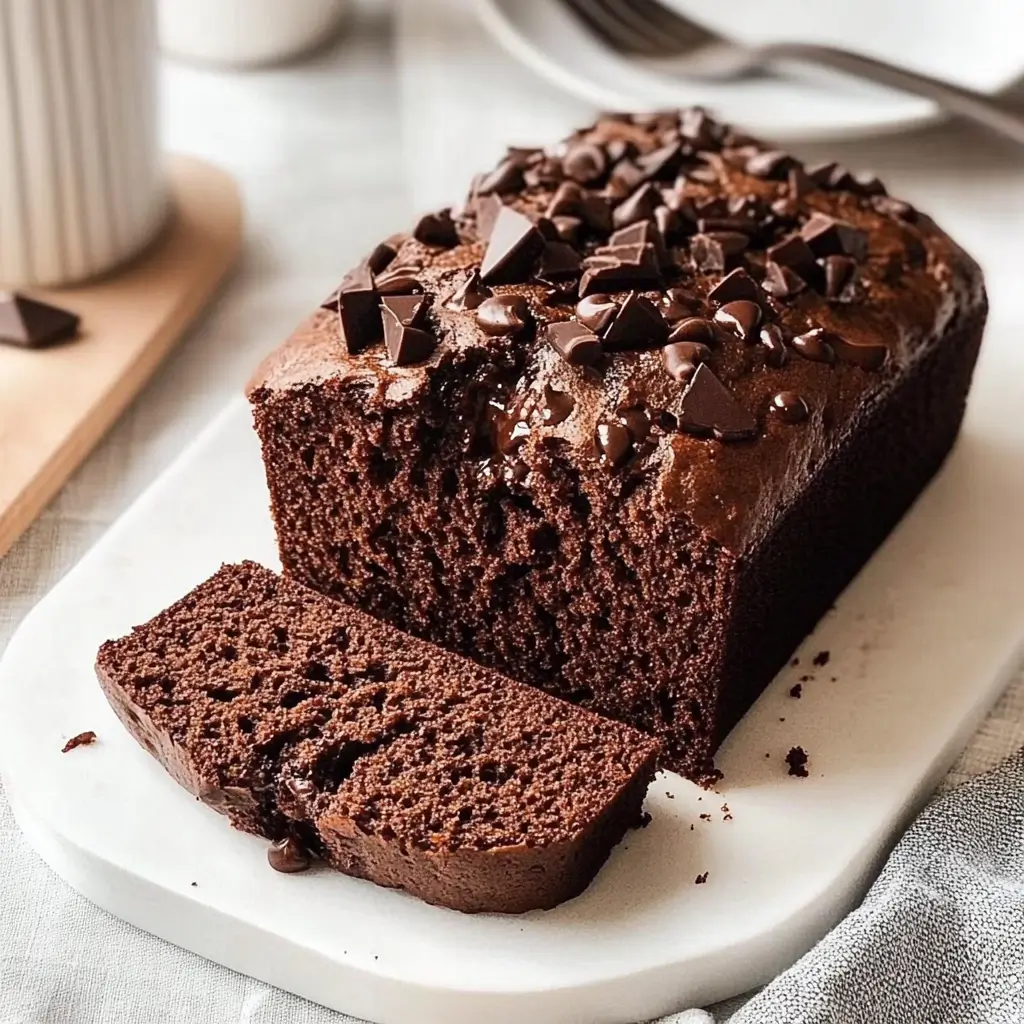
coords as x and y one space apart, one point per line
677 304
358 308
596 311
437 229
736 285
694 329
716 250
839 273
792 252
626 177
614 444
288 856
644 232
774 342
660 163
506 177
822 174
740 317
637 325
668 222
637 420
639 206
573 342
702 174
545 171
868 355
558 260
504 314
548 229
567 201
799 182
405 338
29 323
382 255
487 209
683 357
398 279
708 408
619 149
621 268
771 163
815 345
782 282
596 212
514 246
897 208
585 163
697 127
469 294
555 406
83 739
869 185
789 407
568 228
827 236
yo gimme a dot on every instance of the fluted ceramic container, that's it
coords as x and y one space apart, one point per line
82 187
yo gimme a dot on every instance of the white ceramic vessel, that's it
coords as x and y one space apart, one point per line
82 185
246 33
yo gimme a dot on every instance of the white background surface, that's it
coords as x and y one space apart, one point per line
317 150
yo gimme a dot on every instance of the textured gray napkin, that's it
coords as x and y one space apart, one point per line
939 939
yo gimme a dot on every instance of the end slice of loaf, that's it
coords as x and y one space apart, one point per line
395 761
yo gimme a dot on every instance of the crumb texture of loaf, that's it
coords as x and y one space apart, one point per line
393 760
610 528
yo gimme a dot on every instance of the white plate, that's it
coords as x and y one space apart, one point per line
919 647
976 44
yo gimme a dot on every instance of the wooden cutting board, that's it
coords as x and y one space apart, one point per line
56 403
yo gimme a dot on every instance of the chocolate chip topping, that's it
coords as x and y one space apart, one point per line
486 209
405 338
639 206
770 163
558 261
637 325
506 177
555 406
504 314
356 301
514 245
741 317
585 163
734 286
29 323
573 342
867 355
398 279
840 273
694 329
781 282
708 408
469 294
789 407
773 340
382 255
437 229
677 304
568 228
683 357
624 267
288 856
827 236
717 250
614 444
815 345
596 311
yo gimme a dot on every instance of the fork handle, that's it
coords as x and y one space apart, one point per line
966 103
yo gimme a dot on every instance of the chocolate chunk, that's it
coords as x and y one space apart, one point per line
624 267
736 285
29 323
694 329
514 246
288 856
869 185
734 225
557 261
596 212
868 355
568 228
487 209
822 174
567 201
839 274
703 175
637 325
668 222
660 163
815 345
398 279
639 206
683 357
506 177
549 232
83 739
596 311
716 250
559 295
357 303
774 342
792 252
644 232
545 171
789 407
619 149
637 420
555 406
614 444
573 342
404 337
799 182
469 294
740 317
696 126
504 314
585 163
781 282
897 208
626 177
827 236
771 163
437 229
677 304
381 257
708 408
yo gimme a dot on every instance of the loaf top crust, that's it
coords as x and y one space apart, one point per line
726 410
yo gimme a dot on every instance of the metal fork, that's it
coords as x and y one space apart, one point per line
646 28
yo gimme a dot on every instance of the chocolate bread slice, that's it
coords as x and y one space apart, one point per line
301 718
627 426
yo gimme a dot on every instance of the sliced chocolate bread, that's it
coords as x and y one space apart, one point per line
301 718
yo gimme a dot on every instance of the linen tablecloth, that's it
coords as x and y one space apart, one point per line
318 151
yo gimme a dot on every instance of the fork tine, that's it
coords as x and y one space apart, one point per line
632 22
609 27
641 27
671 29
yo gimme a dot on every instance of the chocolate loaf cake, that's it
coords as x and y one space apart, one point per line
624 424
302 719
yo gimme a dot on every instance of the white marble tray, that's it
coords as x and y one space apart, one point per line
919 645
